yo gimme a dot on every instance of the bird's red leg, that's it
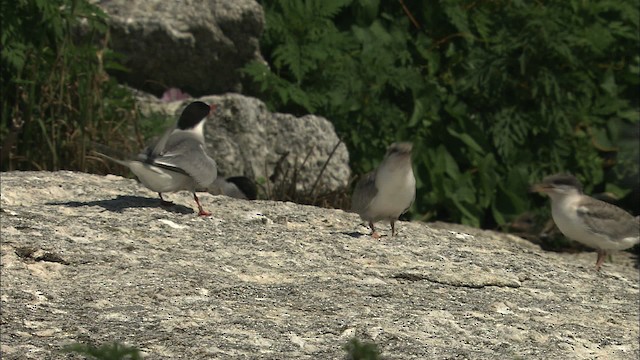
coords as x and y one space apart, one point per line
601 255
164 202
201 211
374 234
393 228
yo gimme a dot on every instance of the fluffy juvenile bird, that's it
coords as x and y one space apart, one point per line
178 161
594 223
239 187
388 191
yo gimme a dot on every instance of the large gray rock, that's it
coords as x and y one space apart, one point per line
195 45
245 138
94 259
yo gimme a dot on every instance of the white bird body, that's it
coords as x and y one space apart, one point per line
566 211
396 191
178 161
159 179
592 222
388 191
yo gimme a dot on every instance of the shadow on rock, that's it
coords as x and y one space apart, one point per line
121 203
353 234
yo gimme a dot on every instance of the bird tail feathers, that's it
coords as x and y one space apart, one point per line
111 154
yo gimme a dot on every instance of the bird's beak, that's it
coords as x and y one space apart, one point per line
540 188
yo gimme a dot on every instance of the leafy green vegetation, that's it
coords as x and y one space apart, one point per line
56 95
494 95
357 350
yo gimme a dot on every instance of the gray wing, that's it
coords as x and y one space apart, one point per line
187 155
607 219
155 149
364 192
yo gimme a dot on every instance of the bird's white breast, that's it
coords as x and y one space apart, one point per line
396 191
565 215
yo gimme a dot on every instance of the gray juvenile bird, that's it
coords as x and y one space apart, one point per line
239 187
178 161
388 191
594 223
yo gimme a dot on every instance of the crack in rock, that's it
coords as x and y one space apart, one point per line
476 280
39 255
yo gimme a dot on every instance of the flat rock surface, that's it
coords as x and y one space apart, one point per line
95 259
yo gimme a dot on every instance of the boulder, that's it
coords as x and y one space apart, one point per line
94 259
245 138
194 45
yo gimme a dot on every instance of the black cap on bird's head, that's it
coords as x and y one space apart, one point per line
558 183
400 148
193 114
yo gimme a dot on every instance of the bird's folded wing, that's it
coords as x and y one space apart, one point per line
155 149
190 157
606 219
364 192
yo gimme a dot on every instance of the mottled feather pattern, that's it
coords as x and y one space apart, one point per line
607 216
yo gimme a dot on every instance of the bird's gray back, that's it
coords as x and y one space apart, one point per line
188 154
603 218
